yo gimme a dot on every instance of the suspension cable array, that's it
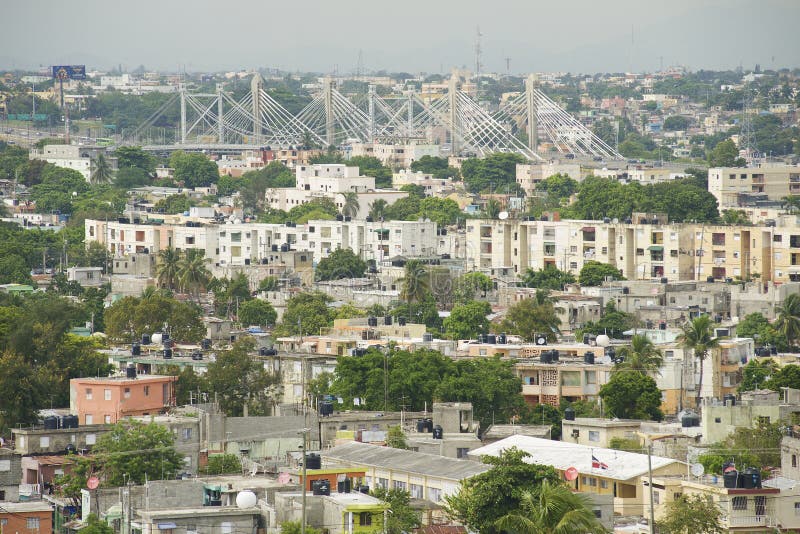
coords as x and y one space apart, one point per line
453 119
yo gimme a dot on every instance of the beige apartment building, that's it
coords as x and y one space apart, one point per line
732 185
642 248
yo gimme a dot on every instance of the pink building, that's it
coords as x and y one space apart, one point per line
107 400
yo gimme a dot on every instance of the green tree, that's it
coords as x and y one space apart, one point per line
415 283
483 499
442 211
641 356
14 270
492 208
396 438
377 209
787 322
295 527
403 518
435 166
698 336
755 373
102 172
787 376
467 286
688 514
735 218
544 414
134 157
492 172
372 166
341 263
174 204
306 314
467 320
595 273
131 177
526 318
169 267
613 323
549 277
130 317
552 508
268 283
257 312
676 122
220 464
559 186
193 276
21 391
632 396
725 154
96 526
129 451
194 169
350 204
240 382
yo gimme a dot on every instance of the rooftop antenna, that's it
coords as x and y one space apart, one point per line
360 65
508 65
747 140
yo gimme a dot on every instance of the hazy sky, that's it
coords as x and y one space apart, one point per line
408 35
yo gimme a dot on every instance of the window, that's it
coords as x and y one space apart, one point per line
91 439
594 435
797 508
399 485
739 503
88 393
147 391
127 393
32 523
186 433
434 494
598 514
107 394
604 484
656 497
89 419
107 419
763 420
761 504
461 452
794 460
416 491
236 237
365 519
383 483
5 465
44 441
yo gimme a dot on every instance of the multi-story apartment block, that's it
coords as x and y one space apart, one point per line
75 157
733 185
642 248
397 156
528 175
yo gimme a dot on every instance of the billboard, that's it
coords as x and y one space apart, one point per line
69 72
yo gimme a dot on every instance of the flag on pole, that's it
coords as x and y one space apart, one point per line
597 464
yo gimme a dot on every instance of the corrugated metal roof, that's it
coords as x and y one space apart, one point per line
362 454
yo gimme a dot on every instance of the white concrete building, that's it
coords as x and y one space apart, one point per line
76 157
397 156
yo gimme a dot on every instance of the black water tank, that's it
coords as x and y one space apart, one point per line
130 371
344 486
438 432
136 349
387 320
710 279
502 339
428 425
401 321
372 321
687 421
72 421
320 487
165 338
664 280
569 414
491 339
420 425
730 479
544 356
751 478
588 357
145 339
197 356
313 461
427 337
168 354
554 355
70 449
325 408
205 344
262 351
50 422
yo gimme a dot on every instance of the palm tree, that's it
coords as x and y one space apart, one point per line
788 320
168 267
552 508
698 335
351 205
192 272
102 173
492 209
377 209
415 282
641 357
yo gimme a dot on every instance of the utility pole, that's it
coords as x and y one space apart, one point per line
650 487
478 52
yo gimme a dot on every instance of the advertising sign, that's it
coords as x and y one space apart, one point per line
69 72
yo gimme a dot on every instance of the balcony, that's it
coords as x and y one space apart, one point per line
735 521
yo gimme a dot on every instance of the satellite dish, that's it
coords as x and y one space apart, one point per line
697 470
571 474
503 215
92 483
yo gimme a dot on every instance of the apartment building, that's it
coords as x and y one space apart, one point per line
396 156
437 187
652 175
733 185
107 400
528 175
76 157
642 248
721 418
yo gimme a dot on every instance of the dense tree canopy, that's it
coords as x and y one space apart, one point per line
494 172
632 396
548 277
341 263
130 317
595 273
194 169
467 320
241 383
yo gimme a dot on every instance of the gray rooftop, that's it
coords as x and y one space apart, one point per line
362 454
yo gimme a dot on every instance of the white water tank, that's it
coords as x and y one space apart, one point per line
246 499
156 338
